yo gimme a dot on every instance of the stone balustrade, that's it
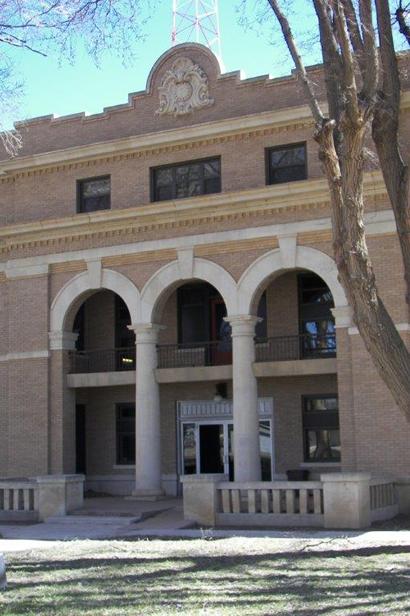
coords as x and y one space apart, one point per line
18 500
279 503
338 500
38 498
384 501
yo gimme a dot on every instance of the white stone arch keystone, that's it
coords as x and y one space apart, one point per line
160 286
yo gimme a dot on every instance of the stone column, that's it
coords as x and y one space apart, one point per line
147 414
247 461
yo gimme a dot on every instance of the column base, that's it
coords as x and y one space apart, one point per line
146 495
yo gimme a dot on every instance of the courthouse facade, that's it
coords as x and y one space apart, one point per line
169 302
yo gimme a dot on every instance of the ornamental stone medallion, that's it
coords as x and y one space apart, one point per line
184 89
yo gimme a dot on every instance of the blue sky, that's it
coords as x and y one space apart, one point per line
58 87
256 47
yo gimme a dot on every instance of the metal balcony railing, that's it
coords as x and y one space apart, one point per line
215 353
103 360
288 348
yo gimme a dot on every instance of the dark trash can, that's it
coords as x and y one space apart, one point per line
297 474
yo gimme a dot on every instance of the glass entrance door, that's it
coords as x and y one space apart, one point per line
211 448
207 447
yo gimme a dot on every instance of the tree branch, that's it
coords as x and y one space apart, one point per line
300 68
401 20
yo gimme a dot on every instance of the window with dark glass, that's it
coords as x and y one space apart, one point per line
286 163
321 428
125 430
316 322
201 177
94 194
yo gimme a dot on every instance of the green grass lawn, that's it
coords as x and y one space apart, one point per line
212 577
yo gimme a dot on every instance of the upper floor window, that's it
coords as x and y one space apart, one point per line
201 177
94 194
286 163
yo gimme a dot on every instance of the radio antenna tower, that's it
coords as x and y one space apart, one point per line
198 21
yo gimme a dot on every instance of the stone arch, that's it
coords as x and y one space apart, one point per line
160 286
278 261
76 290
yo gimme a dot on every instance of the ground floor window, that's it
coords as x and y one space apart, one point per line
321 428
125 431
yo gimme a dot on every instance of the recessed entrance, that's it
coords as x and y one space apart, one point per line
206 440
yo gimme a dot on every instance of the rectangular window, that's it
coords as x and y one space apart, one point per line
321 428
286 163
94 194
201 177
125 429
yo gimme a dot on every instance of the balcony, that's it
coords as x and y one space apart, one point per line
217 353
102 360
202 361
291 348
195 354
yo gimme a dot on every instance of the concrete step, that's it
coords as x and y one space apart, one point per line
97 513
164 520
91 520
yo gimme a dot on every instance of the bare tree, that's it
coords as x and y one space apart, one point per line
363 95
60 27
402 14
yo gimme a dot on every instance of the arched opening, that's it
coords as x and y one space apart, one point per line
104 413
300 333
299 319
195 330
104 341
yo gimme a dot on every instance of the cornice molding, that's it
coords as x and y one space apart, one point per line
188 137
378 223
295 196
168 139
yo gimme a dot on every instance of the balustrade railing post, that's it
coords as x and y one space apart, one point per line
346 498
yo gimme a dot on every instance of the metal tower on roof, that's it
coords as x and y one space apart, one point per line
198 21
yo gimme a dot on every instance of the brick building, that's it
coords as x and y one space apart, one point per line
169 303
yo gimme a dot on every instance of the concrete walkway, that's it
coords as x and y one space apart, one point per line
100 518
119 519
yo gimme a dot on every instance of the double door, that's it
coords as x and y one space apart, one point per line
207 447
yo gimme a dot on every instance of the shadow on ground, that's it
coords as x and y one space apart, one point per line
208 577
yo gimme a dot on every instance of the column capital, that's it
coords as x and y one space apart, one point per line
242 324
343 316
62 341
146 332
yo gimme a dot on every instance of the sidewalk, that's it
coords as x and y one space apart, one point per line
112 518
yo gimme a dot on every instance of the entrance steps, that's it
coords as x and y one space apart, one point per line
94 520
122 517
169 519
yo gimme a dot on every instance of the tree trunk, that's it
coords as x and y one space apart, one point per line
343 164
379 334
385 131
